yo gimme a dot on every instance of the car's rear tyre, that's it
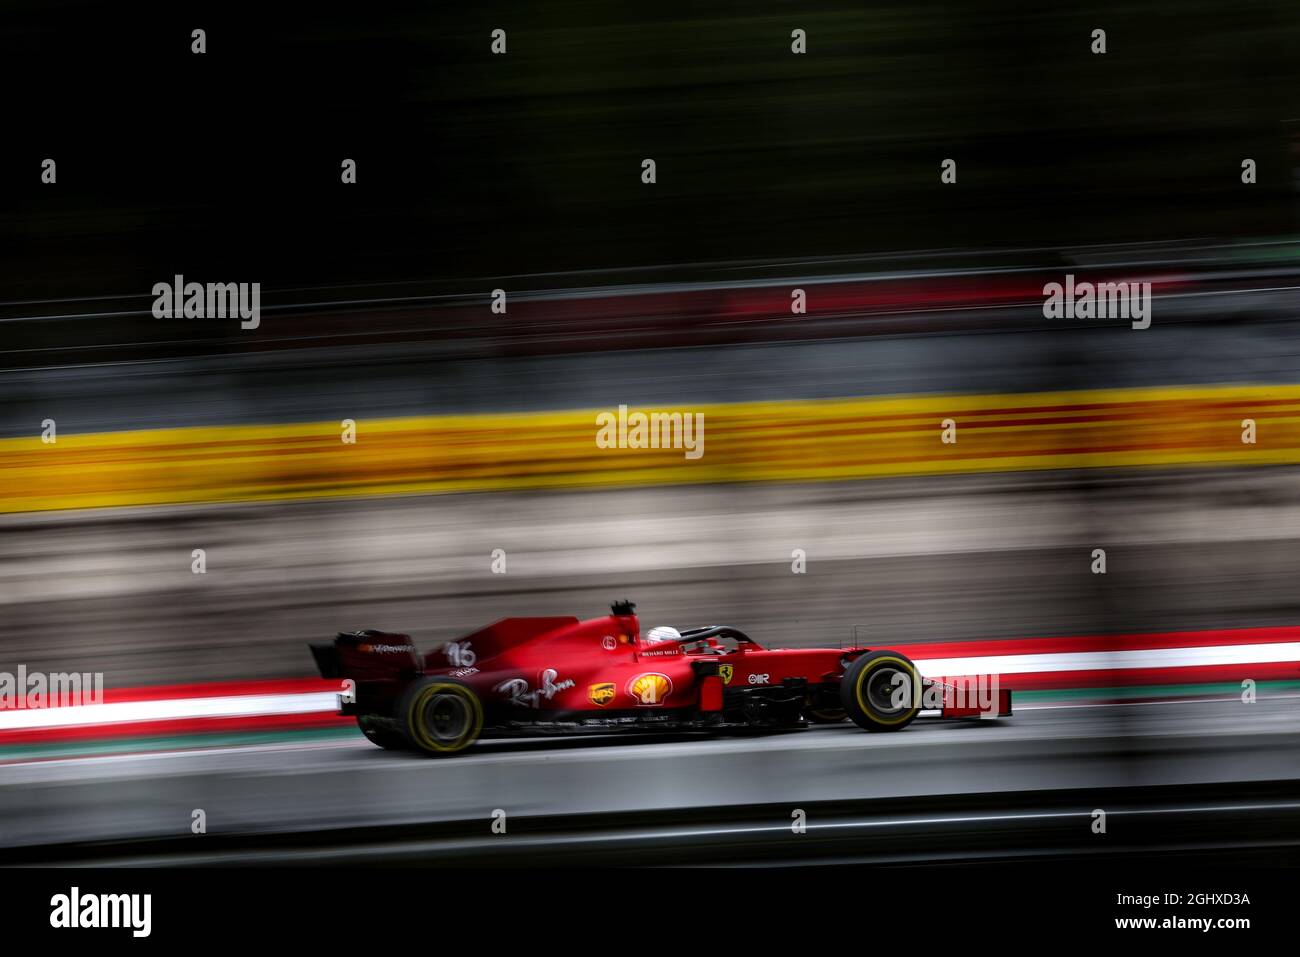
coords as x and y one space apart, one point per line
440 716
390 740
881 691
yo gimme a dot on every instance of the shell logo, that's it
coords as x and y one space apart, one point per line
650 689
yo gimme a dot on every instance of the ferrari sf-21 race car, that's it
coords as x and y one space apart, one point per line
532 676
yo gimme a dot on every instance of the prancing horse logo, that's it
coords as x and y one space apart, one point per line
726 672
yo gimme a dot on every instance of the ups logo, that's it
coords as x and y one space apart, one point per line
601 694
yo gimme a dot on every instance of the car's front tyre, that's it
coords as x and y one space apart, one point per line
881 691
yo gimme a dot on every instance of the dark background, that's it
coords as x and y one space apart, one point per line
226 165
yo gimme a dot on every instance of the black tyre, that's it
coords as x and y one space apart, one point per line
881 691
391 740
440 716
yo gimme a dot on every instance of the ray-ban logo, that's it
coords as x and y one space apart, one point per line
1102 300
215 300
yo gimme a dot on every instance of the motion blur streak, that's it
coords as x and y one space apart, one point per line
759 441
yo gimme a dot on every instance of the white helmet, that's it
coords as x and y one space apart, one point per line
663 633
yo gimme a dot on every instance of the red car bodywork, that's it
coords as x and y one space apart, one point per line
534 675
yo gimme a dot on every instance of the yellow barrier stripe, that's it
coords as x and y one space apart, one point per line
810 440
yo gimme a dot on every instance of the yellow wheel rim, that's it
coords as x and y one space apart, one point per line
414 718
906 667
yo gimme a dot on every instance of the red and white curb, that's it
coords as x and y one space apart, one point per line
1119 661
165 710
1035 664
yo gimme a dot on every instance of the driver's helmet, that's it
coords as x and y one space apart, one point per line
663 633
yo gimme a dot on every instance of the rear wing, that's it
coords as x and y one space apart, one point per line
367 656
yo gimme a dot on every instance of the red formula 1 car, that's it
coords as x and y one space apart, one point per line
530 676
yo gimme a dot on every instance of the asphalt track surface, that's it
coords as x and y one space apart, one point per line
1224 747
